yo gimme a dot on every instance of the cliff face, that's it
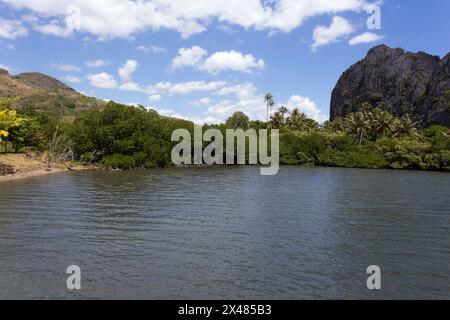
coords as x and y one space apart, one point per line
403 82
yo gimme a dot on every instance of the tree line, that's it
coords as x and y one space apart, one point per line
121 136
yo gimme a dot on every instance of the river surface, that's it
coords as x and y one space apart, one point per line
226 233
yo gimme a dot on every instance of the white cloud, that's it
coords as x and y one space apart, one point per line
196 57
12 29
64 67
155 97
127 70
189 57
366 37
100 17
102 80
152 49
97 63
338 29
72 79
131 86
187 87
231 60
307 106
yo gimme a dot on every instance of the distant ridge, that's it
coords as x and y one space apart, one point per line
44 94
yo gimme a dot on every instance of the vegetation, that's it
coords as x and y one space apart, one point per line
125 137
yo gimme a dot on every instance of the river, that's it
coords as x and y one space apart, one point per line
226 233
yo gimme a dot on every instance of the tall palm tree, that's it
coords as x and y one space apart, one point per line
268 99
358 125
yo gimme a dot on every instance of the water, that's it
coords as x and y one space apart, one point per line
226 233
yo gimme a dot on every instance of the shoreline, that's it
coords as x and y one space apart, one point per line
15 167
38 172
41 172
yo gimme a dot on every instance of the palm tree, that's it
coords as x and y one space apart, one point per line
283 110
277 120
268 99
335 126
405 127
382 123
358 125
298 121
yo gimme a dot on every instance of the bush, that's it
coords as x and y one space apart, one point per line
434 131
119 161
140 158
359 157
87 158
405 154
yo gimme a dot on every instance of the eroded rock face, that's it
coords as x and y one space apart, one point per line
403 82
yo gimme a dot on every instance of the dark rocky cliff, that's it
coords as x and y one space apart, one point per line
402 82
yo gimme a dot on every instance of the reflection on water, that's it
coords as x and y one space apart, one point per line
228 233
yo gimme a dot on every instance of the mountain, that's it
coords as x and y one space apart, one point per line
44 94
402 82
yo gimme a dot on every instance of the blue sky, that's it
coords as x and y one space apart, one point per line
203 60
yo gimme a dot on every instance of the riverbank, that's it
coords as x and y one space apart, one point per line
23 166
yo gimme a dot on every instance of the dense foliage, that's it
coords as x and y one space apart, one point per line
123 137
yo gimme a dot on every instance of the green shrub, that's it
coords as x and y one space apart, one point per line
140 158
359 157
87 158
434 131
119 161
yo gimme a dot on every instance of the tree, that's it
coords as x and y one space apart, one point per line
268 99
405 127
238 120
27 134
8 120
381 123
283 110
358 125
336 126
298 121
277 120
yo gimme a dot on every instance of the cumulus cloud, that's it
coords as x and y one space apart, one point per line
196 57
102 80
97 63
100 17
127 70
307 106
189 57
338 29
366 37
12 29
64 67
231 60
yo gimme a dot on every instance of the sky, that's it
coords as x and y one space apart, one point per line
203 60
